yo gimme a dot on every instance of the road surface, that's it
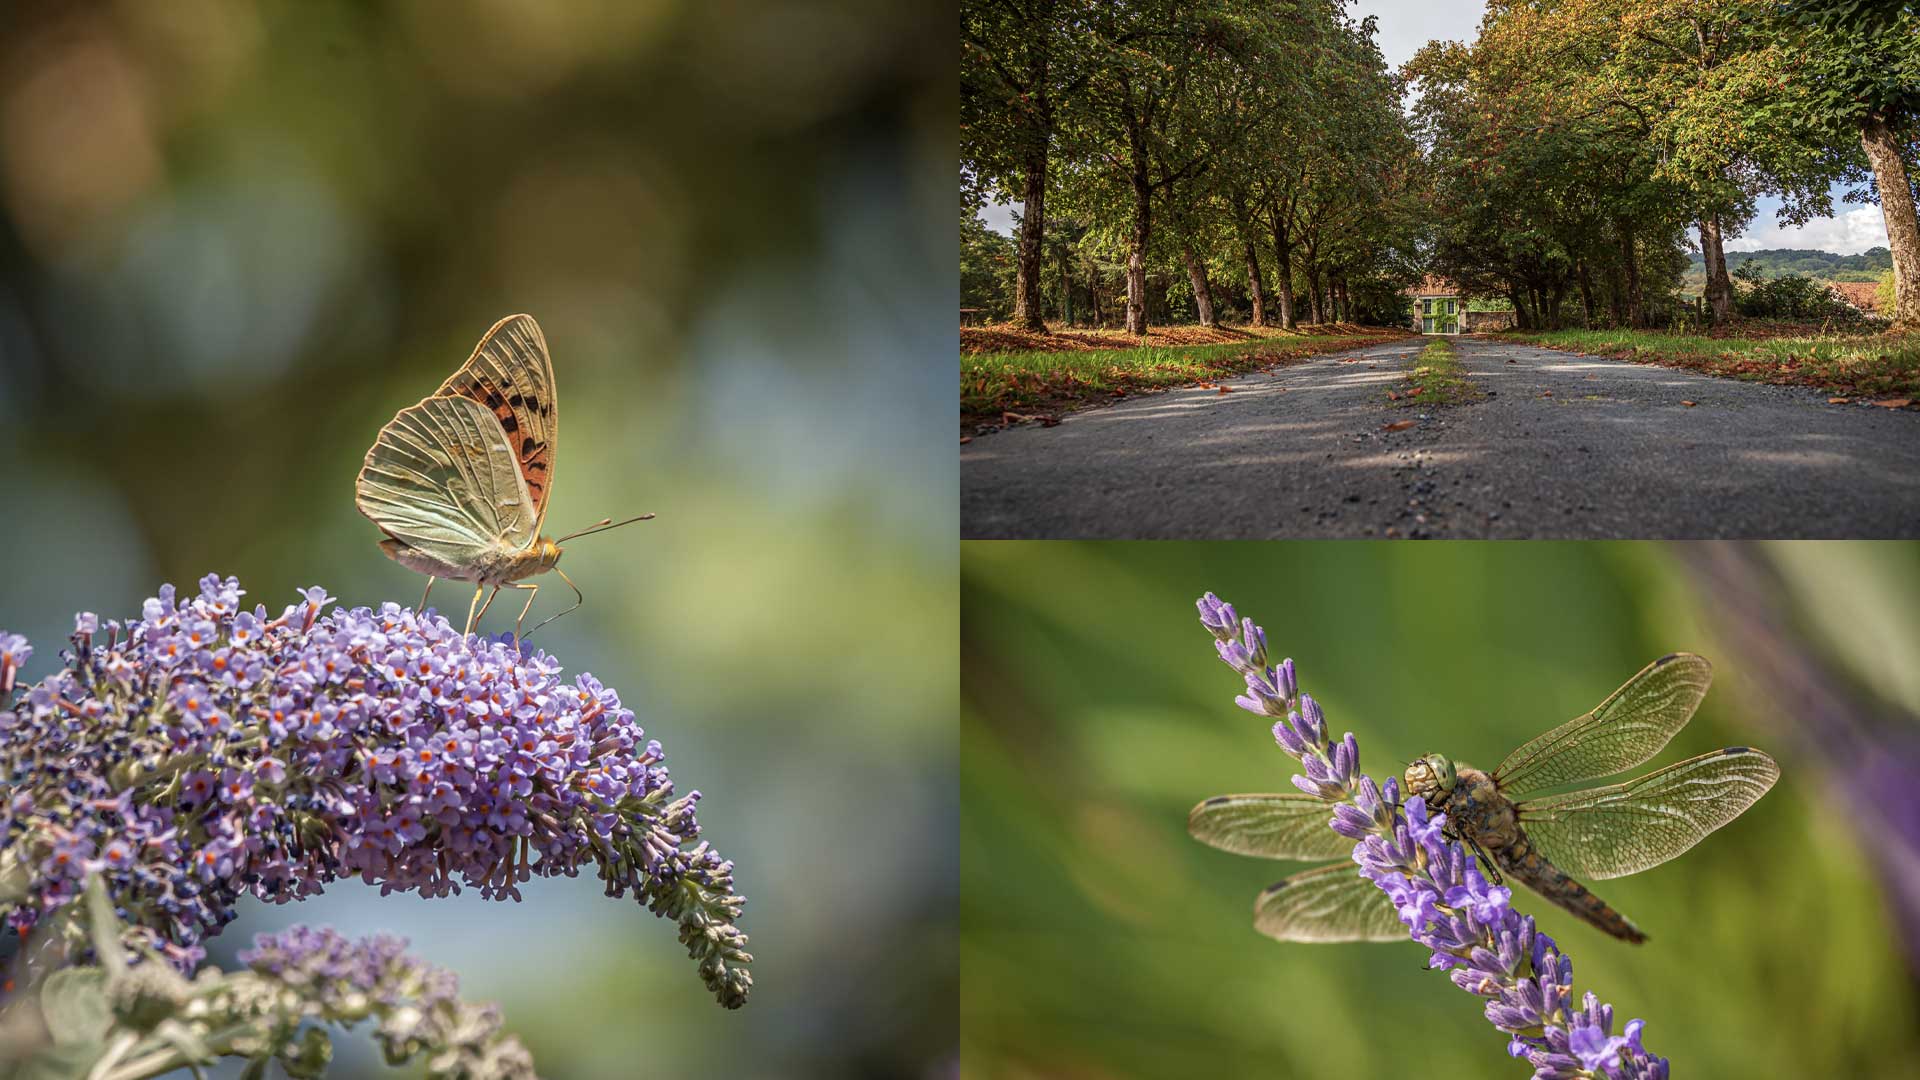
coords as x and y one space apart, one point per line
1562 445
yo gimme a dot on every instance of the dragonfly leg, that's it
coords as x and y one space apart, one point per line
1493 872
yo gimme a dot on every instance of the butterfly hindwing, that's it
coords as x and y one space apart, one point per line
443 478
511 375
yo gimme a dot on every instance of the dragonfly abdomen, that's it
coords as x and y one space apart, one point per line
1521 861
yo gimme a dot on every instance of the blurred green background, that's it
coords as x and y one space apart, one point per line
236 238
1098 940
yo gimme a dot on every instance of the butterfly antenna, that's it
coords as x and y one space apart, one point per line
601 526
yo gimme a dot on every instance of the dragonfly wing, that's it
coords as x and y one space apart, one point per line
1331 903
1622 829
1628 728
1268 827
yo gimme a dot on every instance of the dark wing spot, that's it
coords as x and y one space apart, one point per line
1669 657
532 465
494 400
527 446
1739 749
517 401
1273 888
509 423
1217 800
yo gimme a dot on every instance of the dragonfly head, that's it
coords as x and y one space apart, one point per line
1430 776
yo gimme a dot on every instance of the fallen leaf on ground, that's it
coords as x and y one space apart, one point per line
1546 393
1894 403
1513 361
1689 404
965 439
1398 425
1226 389
1838 400
1416 391
1391 396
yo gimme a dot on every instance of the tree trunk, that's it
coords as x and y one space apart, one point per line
1197 274
1033 221
1093 294
1137 256
1346 301
1617 296
1522 318
1629 254
1313 288
1719 285
1896 205
1283 272
1254 290
1586 293
1066 289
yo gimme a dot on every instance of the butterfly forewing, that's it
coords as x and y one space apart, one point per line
1268 826
442 478
511 375
1331 903
1622 829
1628 728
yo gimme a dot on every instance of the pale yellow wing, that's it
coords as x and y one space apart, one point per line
1268 826
1332 903
1628 728
442 478
511 375
1622 829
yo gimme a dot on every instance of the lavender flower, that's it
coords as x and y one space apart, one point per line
204 752
1469 926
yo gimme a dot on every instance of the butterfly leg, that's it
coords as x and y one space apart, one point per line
489 603
578 599
423 596
474 603
532 591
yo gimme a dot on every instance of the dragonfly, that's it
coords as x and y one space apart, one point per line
1545 842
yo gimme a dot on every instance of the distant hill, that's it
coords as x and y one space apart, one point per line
1774 262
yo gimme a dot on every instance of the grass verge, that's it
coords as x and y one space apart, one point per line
1437 377
994 384
1883 367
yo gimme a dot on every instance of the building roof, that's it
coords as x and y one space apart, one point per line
1864 295
1434 286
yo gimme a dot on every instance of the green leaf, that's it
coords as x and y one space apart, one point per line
74 1003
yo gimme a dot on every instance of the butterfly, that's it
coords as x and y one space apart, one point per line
459 482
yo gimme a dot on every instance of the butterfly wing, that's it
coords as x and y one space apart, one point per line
442 478
511 375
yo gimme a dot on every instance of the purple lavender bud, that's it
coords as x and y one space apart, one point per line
1350 822
1313 722
1255 639
1283 680
1288 738
273 757
1217 617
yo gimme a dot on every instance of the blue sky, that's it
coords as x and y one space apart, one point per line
1405 25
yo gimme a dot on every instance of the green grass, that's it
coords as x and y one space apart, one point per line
1870 365
1437 377
992 383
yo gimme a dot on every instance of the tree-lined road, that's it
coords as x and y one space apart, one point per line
1562 445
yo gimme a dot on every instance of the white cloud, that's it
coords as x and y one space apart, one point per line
1849 233
1406 25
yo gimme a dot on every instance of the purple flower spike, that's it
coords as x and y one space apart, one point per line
1468 925
209 753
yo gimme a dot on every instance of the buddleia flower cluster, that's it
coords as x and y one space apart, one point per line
1469 927
207 751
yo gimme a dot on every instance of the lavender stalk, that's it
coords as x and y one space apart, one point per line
1469 926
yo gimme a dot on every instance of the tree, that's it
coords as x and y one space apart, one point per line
1862 61
1014 55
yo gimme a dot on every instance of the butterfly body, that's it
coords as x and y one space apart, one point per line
500 564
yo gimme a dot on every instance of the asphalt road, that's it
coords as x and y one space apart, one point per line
1561 446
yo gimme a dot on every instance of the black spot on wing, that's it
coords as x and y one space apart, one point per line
509 423
1217 800
1739 749
527 446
